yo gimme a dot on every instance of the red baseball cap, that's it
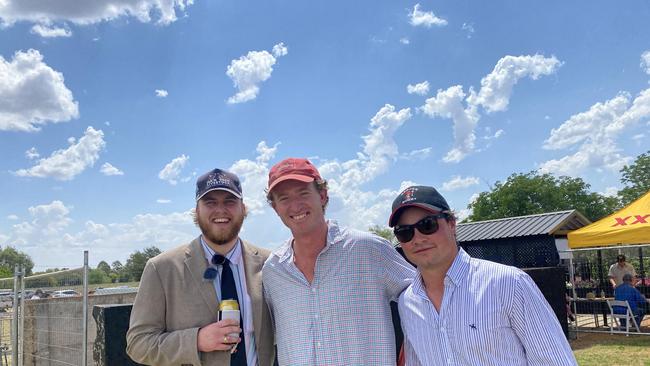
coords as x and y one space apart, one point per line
292 169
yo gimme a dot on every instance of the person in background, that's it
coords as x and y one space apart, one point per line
174 317
627 292
465 311
618 270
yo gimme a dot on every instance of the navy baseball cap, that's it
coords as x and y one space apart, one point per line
218 180
418 196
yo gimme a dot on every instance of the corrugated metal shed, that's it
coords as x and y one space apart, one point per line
551 223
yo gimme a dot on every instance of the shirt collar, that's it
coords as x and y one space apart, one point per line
334 233
234 255
455 274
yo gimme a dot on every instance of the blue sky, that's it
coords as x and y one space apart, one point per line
110 109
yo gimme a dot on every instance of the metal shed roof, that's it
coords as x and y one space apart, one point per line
551 223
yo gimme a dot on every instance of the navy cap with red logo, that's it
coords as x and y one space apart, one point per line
418 196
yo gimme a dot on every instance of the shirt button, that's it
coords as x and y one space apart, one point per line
315 316
449 361
442 329
318 344
313 290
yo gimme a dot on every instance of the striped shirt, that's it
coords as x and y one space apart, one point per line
237 267
343 317
491 314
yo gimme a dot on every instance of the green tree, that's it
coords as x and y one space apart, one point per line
636 178
384 232
118 274
97 276
104 267
135 264
534 193
9 257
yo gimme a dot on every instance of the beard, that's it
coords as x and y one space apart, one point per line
221 236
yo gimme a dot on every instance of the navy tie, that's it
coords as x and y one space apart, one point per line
229 291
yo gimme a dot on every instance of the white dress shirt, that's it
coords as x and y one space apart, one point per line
237 267
491 314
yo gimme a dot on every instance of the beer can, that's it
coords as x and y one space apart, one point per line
229 309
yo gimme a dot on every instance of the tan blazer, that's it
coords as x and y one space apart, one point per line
174 300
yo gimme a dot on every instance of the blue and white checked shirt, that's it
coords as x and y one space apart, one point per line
343 317
491 314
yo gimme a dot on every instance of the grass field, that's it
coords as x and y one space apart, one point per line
593 349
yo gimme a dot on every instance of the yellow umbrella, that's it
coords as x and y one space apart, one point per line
630 225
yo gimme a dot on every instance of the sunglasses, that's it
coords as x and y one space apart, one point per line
426 226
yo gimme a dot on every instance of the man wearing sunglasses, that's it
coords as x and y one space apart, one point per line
465 311
328 287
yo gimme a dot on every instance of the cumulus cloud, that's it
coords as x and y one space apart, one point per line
248 72
47 31
645 62
163 200
593 135
171 173
254 176
425 18
84 12
494 95
458 182
13 217
404 40
161 93
108 169
419 89
51 239
32 94
65 164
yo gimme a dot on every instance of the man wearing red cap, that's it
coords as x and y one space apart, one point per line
328 287
466 311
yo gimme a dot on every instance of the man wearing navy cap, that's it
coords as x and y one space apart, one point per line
174 320
465 311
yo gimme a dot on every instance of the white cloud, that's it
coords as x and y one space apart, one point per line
65 164
449 104
494 136
32 154
163 200
593 135
249 71
108 169
419 89
84 12
47 31
32 93
419 154
13 217
645 62
496 87
172 171
494 95
50 238
280 50
458 182
404 40
161 93
254 176
469 28
610 192
425 19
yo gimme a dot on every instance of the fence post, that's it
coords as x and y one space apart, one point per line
85 311
21 324
14 320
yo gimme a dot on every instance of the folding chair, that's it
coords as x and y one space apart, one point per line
628 316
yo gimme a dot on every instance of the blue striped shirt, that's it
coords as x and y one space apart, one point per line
343 317
491 314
